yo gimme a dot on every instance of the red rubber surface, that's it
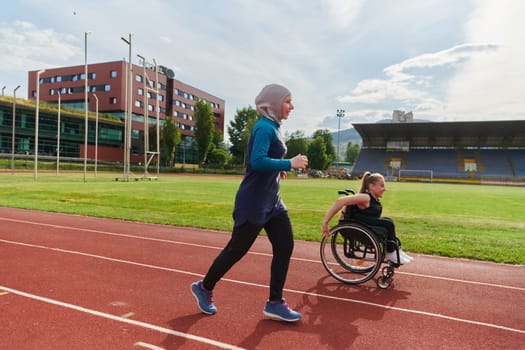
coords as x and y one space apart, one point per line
73 282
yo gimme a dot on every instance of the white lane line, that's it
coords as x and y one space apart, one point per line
148 346
486 284
418 312
102 258
121 319
300 292
251 252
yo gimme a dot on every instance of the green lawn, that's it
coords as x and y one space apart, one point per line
470 221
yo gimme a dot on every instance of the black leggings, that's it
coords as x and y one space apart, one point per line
385 223
279 232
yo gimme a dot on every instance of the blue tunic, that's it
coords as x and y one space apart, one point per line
258 198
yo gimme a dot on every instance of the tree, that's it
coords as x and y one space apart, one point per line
218 138
296 144
217 157
351 152
170 137
329 143
204 128
317 157
239 132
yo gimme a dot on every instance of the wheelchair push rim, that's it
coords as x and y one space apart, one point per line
351 253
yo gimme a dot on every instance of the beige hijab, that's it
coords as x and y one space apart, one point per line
270 100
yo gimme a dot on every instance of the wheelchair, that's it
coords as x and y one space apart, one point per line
353 252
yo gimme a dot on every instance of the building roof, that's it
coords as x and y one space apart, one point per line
497 134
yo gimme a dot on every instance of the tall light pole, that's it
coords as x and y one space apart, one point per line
96 132
85 102
127 124
13 131
58 132
37 115
157 115
340 114
3 88
146 115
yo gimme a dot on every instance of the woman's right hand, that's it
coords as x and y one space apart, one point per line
326 230
299 162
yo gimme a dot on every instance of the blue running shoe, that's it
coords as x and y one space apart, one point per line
204 298
281 311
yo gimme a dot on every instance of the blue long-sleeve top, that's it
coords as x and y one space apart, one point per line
258 198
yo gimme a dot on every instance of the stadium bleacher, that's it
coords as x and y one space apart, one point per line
462 151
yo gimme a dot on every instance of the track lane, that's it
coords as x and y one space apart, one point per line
325 303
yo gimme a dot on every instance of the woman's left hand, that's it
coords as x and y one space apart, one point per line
282 174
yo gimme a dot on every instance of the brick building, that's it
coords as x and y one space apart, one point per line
155 94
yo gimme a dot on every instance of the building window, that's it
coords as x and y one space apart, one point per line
113 74
139 78
112 100
107 88
140 91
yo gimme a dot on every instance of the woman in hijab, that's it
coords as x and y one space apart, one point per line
258 205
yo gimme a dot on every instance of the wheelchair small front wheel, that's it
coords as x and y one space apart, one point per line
388 271
383 282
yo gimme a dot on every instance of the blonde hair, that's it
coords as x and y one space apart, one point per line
369 178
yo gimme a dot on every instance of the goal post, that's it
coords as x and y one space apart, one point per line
415 175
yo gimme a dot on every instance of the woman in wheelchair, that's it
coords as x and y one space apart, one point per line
365 207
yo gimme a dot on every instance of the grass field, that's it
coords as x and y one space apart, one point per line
469 221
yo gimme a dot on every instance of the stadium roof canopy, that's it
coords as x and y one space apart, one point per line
490 134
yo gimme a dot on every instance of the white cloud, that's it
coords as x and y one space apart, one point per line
403 55
415 83
343 12
492 86
30 47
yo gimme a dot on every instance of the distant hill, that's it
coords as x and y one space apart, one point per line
345 136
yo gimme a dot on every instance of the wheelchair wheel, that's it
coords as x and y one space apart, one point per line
383 282
351 253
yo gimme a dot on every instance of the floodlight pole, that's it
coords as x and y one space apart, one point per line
86 123
3 88
127 124
158 116
37 114
145 115
58 132
13 131
340 114
96 132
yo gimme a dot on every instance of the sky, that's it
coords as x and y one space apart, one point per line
443 60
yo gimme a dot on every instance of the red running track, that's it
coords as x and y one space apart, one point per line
74 282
